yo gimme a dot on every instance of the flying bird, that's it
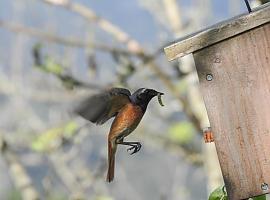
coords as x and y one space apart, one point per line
128 110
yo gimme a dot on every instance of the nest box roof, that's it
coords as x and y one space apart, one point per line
218 32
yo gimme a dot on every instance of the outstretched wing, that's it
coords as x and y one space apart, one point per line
101 107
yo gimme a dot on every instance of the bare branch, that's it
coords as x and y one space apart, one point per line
132 45
67 176
18 173
11 89
68 41
173 14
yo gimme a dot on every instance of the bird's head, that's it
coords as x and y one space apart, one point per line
143 96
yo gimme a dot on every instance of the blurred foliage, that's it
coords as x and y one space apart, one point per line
125 66
262 197
182 86
49 65
103 198
264 1
56 196
52 138
182 133
221 194
14 195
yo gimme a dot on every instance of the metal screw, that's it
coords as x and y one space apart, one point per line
264 186
209 77
217 60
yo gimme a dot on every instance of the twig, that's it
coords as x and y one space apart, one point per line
68 41
132 45
66 175
18 173
173 15
11 89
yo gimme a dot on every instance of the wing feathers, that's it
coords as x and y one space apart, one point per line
101 107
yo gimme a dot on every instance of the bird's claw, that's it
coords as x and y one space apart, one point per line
135 148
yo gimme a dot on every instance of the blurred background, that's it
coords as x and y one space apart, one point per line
54 53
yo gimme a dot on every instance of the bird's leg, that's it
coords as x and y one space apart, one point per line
134 145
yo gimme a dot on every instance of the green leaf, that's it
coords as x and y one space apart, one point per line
262 197
70 129
103 198
52 67
14 194
182 132
219 194
53 137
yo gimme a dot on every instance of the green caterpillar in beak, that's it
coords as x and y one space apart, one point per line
159 99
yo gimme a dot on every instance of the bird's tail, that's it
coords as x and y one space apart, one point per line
111 158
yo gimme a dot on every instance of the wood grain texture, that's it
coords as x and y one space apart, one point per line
218 32
238 105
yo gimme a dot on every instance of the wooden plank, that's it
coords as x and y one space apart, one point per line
238 105
218 32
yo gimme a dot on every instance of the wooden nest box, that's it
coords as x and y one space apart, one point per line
233 63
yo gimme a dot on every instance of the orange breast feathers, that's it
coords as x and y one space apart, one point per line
126 120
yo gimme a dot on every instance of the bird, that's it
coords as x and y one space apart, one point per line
127 110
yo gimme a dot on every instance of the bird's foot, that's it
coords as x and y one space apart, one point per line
208 135
135 148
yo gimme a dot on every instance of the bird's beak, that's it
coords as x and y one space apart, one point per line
158 93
